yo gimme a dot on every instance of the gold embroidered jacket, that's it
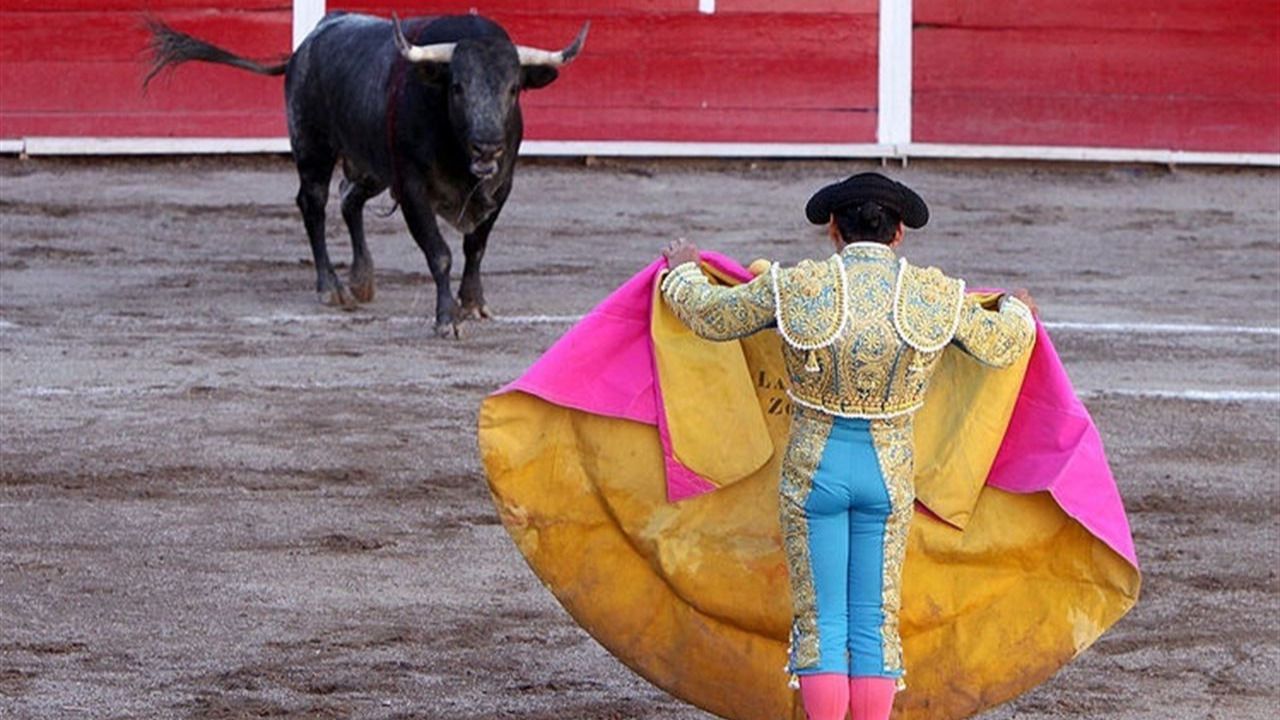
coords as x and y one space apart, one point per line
862 330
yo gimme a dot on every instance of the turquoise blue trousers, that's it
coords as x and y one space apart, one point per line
846 511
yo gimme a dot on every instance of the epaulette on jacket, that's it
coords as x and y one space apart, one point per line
926 307
811 302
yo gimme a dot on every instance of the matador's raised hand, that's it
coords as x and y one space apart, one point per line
680 251
1025 297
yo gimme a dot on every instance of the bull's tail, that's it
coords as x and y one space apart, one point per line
170 47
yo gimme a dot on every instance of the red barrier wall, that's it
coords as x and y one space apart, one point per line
1169 74
1179 74
75 68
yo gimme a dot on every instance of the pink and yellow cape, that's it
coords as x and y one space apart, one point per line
636 467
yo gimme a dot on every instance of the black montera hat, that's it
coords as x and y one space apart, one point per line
857 189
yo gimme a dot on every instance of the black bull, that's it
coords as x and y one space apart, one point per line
437 121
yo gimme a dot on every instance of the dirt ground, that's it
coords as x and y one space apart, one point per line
219 499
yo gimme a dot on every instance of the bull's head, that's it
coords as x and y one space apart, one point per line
484 77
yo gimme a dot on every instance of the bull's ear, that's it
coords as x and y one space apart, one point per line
533 77
432 73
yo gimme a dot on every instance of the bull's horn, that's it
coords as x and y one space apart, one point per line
437 53
534 56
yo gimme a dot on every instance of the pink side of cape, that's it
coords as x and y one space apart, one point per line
605 365
1052 444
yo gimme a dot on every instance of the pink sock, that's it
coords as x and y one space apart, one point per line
825 695
871 698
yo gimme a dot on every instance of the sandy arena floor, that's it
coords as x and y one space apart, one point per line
219 499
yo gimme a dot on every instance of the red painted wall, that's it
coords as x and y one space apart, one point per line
75 68
1179 74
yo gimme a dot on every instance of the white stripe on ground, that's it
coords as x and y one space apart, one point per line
1268 396
1163 328
287 318
539 319
44 391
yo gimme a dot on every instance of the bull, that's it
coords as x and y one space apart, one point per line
436 119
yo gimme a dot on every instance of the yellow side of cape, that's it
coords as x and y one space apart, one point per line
694 595
723 441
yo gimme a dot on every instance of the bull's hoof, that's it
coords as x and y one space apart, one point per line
475 311
338 297
448 330
362 291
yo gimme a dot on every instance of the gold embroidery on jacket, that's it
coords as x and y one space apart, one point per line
893 442
809 433
717 312
996 338
868 371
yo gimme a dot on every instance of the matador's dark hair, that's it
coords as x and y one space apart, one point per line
868 222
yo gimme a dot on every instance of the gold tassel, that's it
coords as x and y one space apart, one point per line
811 362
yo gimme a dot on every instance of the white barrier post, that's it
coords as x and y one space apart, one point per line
893 122
306 13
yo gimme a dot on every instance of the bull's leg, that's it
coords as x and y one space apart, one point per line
471 292
422 225
312 197
354 195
